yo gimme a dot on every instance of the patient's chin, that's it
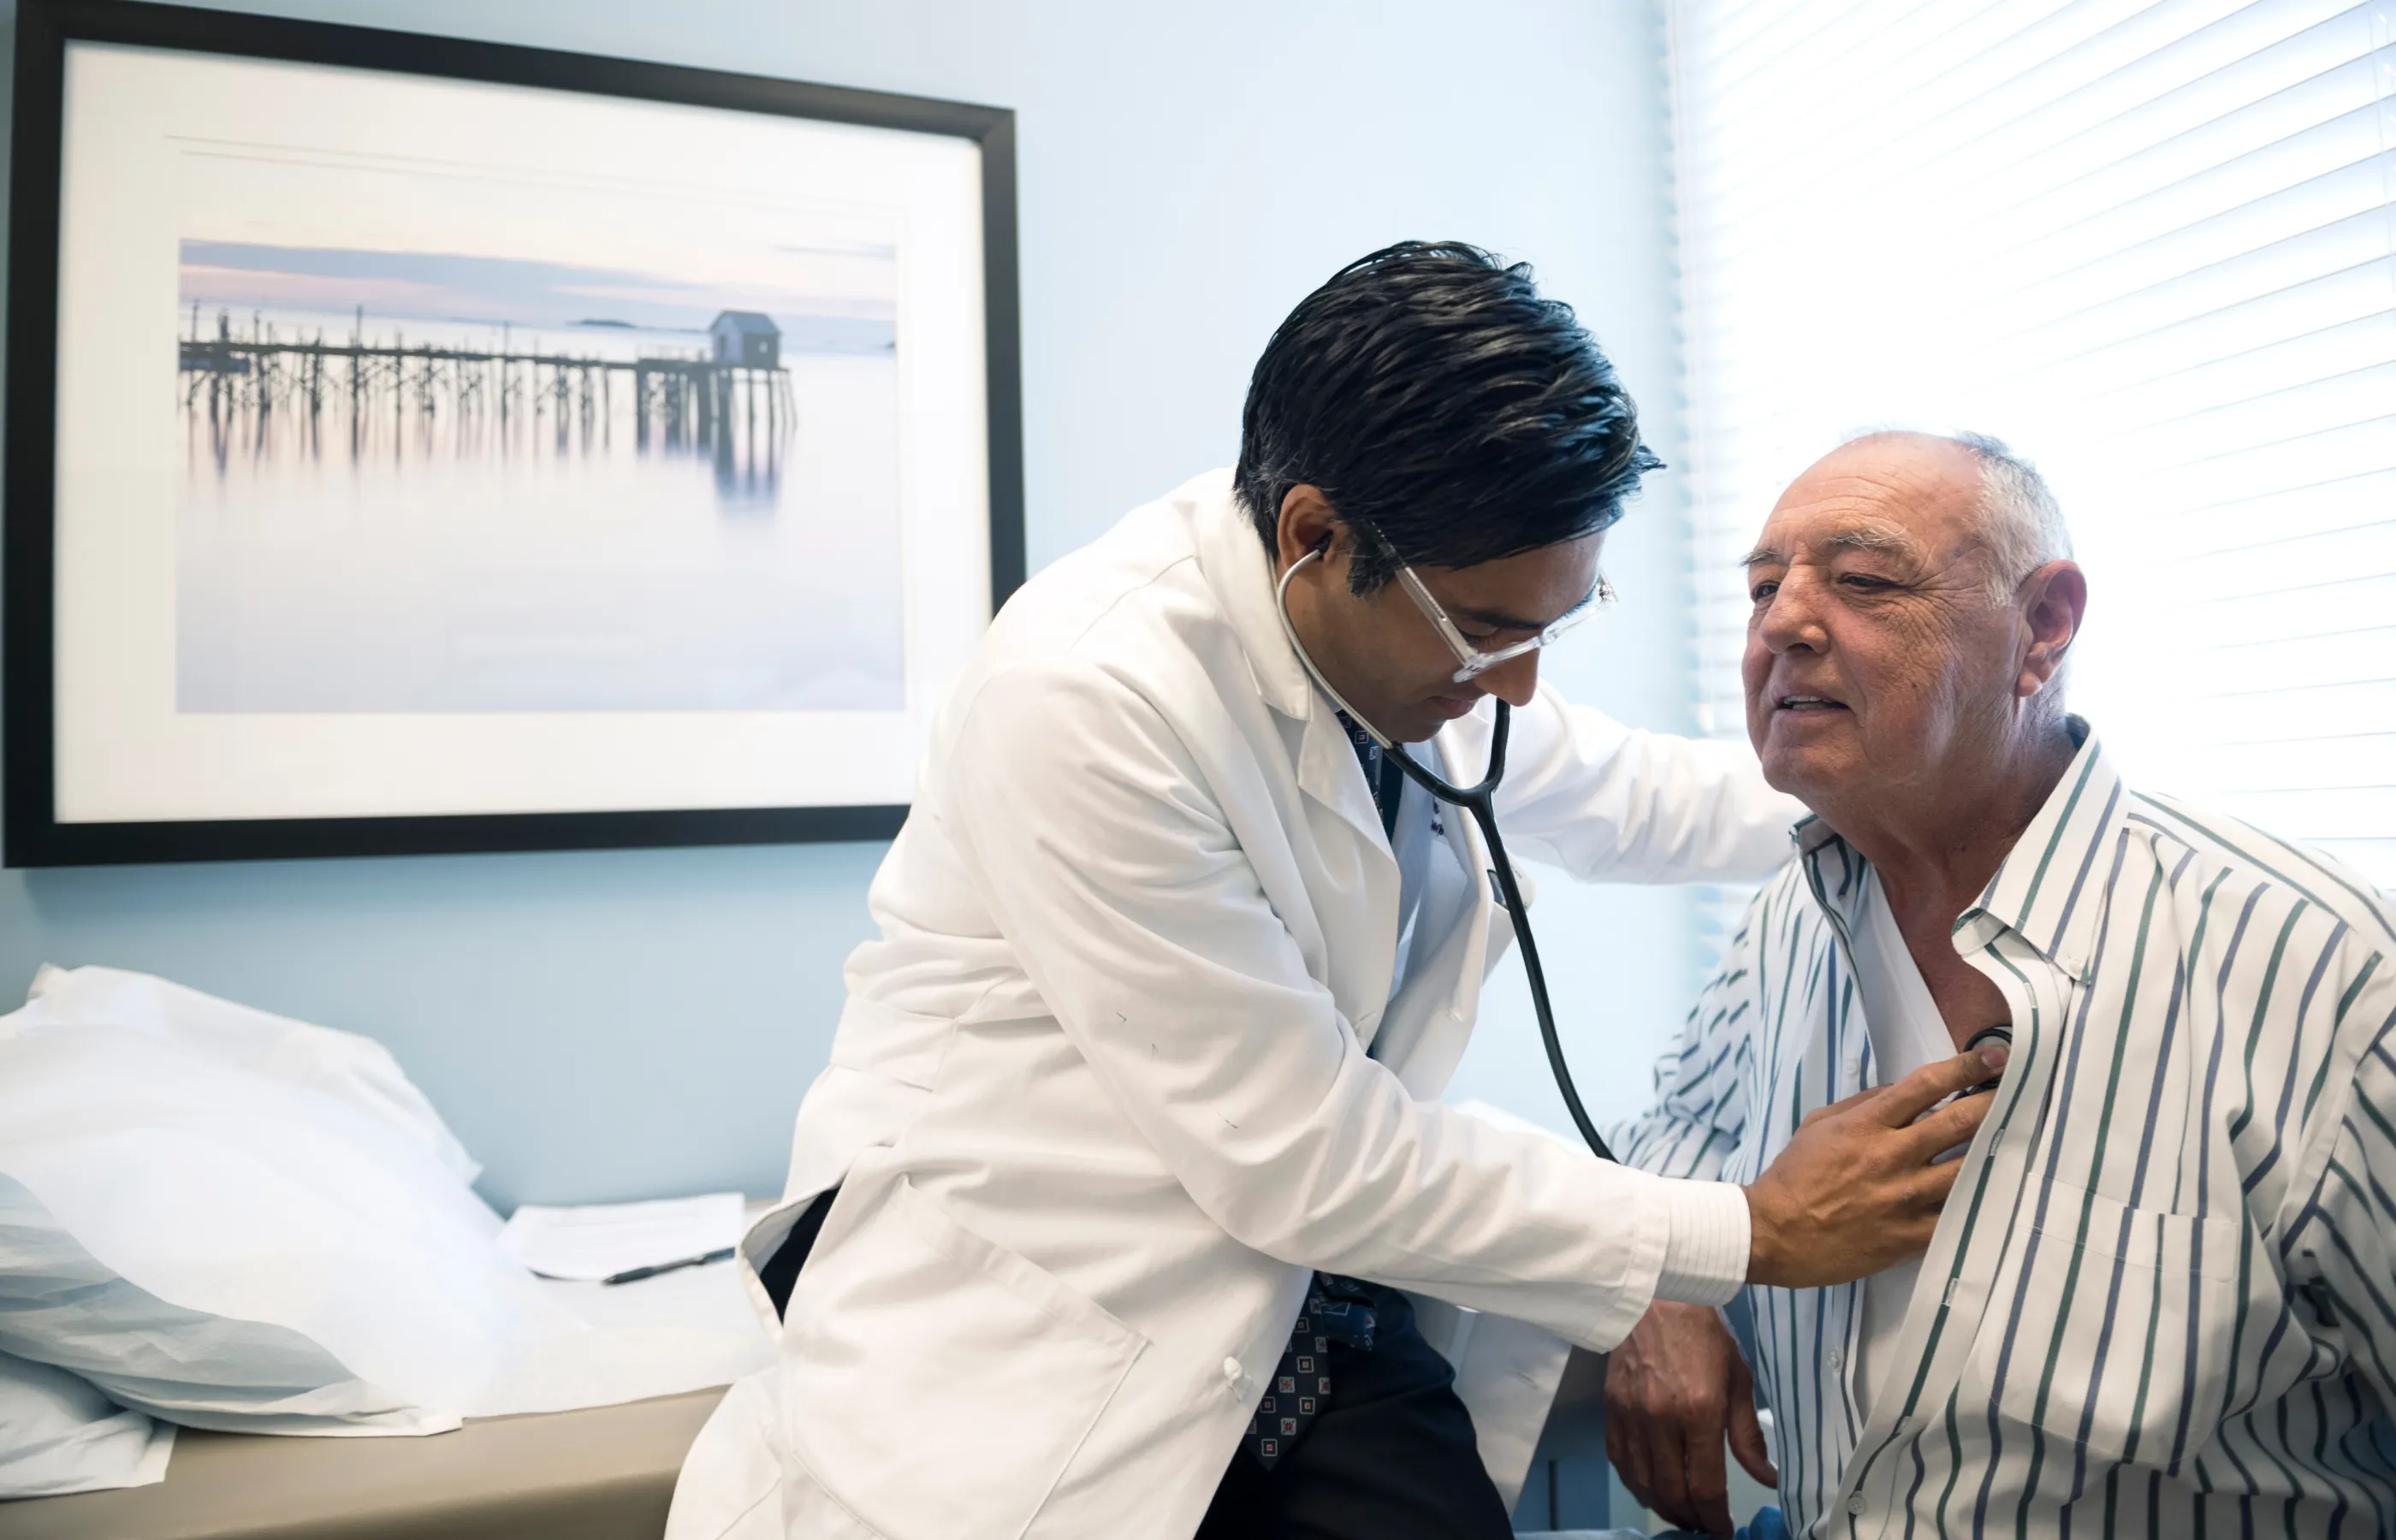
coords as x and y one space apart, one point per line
1806 771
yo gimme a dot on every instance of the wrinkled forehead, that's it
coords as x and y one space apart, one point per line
1785 542
1902 503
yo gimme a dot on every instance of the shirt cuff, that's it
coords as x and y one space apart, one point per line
1705 1260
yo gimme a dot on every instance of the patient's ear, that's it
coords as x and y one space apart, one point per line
2052 599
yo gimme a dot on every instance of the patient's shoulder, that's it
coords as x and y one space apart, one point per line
2208 852
1781 906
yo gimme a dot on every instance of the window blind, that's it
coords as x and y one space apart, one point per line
2151 243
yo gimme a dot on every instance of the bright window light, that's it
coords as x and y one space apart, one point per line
2152 246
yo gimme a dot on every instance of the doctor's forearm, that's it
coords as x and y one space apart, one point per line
1519 1224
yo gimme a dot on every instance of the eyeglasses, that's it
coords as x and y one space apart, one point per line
1470 660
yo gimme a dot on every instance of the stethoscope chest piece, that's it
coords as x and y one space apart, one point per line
2000 1033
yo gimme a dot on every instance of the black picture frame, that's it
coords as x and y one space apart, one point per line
33 835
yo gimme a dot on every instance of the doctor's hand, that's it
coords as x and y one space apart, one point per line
1675 1391
1855 1189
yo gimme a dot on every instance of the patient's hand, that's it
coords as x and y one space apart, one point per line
1674 1390
1859 1185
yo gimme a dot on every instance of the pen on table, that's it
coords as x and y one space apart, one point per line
633 1275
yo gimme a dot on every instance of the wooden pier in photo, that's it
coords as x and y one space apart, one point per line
691 402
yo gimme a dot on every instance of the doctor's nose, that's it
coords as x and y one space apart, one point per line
1514 681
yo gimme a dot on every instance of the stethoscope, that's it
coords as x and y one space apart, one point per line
1476 799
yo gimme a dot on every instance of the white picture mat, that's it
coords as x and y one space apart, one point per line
122 751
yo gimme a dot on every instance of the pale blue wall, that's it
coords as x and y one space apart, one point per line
620 1024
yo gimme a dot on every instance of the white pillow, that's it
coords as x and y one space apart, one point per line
60 1307
58 1434
254 1198
355 1070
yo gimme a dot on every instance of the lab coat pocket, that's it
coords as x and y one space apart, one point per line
2118 1333
938 1385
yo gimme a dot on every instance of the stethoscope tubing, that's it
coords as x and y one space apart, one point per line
1511 894
1479 800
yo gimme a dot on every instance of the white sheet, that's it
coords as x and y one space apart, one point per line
264 1170
58 1434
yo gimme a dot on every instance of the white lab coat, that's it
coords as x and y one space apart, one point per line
1100 1099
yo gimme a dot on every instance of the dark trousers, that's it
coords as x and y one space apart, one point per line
1390 1457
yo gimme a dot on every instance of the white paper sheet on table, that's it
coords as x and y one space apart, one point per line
594 1241
681 1330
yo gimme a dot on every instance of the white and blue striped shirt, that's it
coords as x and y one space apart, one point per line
2161 1300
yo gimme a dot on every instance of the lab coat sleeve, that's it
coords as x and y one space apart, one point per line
1614 803
1115 876
1700 1108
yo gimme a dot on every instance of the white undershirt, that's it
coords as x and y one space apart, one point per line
1907 1032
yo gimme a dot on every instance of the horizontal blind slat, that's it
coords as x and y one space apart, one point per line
2154 242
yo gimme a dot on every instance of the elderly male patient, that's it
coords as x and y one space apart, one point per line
2163 1299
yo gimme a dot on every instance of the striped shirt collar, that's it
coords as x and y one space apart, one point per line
2050 889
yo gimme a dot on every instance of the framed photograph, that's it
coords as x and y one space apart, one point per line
423 446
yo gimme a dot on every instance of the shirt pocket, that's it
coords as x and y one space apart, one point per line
935 1384
2119 1334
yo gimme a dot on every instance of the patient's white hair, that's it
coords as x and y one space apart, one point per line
2021 520
2023 524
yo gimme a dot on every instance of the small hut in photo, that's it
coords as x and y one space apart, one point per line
747 340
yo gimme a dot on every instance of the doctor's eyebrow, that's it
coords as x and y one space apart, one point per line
1502 620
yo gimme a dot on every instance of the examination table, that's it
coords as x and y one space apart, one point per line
605 1473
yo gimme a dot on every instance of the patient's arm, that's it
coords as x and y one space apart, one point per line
1674 1390
1699 1112
2341 1243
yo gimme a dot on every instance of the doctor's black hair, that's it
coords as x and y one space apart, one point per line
1438 402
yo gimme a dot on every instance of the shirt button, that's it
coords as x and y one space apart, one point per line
1856 1503
1838 1357
1232 1370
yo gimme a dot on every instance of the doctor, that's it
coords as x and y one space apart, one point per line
1131 1134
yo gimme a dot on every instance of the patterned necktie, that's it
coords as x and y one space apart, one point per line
1338 1310
1382 776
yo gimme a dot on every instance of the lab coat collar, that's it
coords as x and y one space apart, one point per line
1237 569
1239 572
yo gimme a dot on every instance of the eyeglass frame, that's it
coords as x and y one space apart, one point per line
1472 662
